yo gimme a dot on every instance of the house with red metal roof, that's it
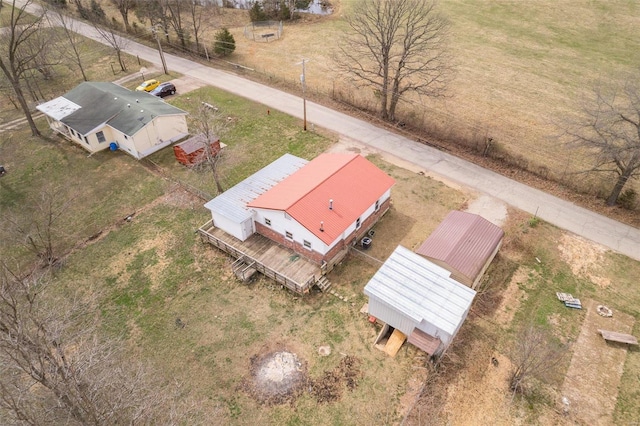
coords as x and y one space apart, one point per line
464 244
323 207
316 208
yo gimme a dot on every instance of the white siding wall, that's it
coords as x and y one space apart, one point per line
94 145
229 226
433 331
386 313
127 144
281 223
161 132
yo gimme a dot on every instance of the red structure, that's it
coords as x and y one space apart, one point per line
192 151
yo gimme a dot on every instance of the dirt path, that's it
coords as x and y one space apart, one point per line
592 381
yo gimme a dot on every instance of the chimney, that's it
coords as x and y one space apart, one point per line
321 226
331 204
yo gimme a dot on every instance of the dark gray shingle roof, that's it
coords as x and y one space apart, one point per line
123 109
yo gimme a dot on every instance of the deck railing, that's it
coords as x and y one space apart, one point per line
260 267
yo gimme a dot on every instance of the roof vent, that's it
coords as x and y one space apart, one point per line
141 110
137 101
115 99
331 204
128 105
321 226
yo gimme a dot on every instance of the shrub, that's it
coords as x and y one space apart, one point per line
97 12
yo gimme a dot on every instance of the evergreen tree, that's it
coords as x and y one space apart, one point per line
225 44
256 13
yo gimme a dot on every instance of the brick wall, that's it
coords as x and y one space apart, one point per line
353 238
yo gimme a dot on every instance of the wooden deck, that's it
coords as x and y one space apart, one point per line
263 255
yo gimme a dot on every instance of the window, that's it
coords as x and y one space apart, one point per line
100 136
267 221
377 205
289 235
307 244
125 136
86 140
358 223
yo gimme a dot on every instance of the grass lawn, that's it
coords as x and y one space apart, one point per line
254 139
155 269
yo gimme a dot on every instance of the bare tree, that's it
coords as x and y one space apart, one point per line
609 128
196 11
535 355
110 36
72 37
396 47
157 12
124 7
175 9
21 42
54 369
37 227
211 124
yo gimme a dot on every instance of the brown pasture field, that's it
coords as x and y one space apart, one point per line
520 67
520 70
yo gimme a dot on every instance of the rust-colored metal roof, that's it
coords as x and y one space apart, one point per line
464 241
422 340
351 181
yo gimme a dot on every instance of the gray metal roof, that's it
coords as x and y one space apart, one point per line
232 203
420 290
100 102
464 241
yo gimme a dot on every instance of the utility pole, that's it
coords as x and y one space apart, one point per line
304 97
164 63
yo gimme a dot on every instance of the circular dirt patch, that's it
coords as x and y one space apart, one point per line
324 350
276 377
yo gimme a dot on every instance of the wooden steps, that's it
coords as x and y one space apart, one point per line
243 268
323 284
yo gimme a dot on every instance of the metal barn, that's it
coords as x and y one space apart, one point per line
464 244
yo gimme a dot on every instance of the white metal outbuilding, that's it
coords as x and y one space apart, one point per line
420 299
